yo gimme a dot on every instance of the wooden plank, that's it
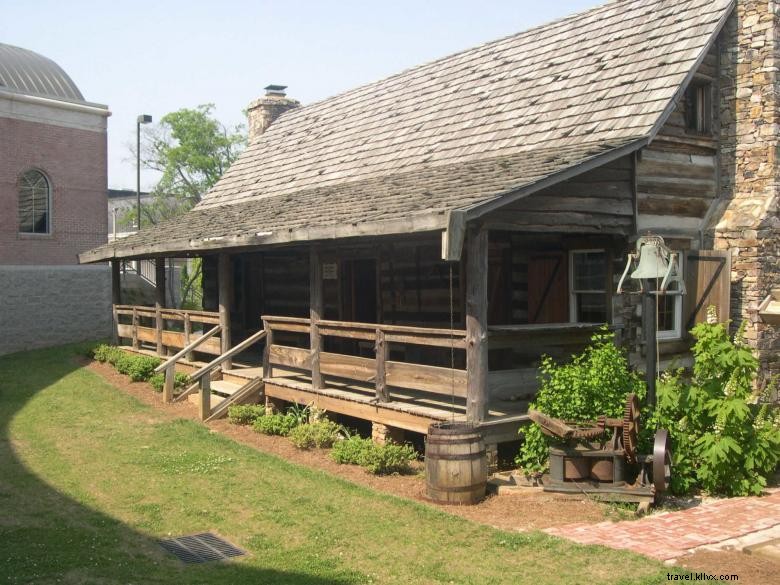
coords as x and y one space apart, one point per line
170 378
148 334
159 302
708 282
316 309
518 384
269 341
382 355
124 331
116 299
348 366
205 397
247 393
434 379
293 357
135 328
673 205
375 413
476 325
225 282
188 336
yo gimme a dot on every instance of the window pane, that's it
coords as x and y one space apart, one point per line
590 270
34 203
666 313
592 308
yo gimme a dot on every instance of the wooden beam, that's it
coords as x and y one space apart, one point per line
476 325
170 379
225 282
116 299
205 397
315 310
136 345
269 340
382 354
159 301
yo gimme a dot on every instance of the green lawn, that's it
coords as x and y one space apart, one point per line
89 478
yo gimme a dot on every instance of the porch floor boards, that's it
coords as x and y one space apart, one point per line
423 407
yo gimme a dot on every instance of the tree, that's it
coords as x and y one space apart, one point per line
191 150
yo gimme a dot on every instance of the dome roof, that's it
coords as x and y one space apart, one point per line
28 72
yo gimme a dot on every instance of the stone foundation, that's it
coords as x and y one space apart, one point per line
383 434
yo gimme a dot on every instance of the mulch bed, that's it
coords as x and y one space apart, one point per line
529 509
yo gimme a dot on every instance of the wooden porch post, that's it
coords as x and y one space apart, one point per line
159 301
315 314
225 281
116 299
381 366
476 326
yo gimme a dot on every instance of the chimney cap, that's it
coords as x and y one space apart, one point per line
275 90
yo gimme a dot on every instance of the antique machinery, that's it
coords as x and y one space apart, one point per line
600 458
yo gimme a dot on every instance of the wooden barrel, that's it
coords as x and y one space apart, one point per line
455 464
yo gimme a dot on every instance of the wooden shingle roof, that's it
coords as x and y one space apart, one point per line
456 132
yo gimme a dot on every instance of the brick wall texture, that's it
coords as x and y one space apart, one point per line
42 306
75 162
750 169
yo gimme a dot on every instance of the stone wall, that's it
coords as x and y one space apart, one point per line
43 306
749 172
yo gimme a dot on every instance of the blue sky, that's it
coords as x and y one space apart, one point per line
156 57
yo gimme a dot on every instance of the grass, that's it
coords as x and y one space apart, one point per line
90 478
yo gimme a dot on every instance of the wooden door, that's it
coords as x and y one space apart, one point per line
548 288
708 283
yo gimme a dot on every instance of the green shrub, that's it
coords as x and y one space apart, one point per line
157 381
389 458
245 414
595 382
722 440
320 434
103 352
141 367
354 450
378 459
276 424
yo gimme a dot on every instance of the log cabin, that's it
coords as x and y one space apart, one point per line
405 252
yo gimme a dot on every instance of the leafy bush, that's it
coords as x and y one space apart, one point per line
722 440
141 367
276 424
318 434
595 382
245 414
157 381
378 459
354 450
390 458
104 353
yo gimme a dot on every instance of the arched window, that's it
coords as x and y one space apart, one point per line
34 203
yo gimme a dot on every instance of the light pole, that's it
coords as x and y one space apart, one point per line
142 119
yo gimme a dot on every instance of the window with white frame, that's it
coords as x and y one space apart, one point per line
670 309
34 203
588 286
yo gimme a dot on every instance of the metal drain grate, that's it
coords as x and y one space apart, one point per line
201 548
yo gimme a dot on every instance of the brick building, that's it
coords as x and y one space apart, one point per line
53 178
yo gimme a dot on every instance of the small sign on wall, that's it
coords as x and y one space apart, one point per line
330 271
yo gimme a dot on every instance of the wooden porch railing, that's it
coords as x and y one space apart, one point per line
169 365
380 370
151 325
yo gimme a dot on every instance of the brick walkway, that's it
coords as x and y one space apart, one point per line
672 535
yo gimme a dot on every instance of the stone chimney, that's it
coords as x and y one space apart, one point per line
263 111
750 167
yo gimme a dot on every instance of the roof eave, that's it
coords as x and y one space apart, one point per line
434 220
